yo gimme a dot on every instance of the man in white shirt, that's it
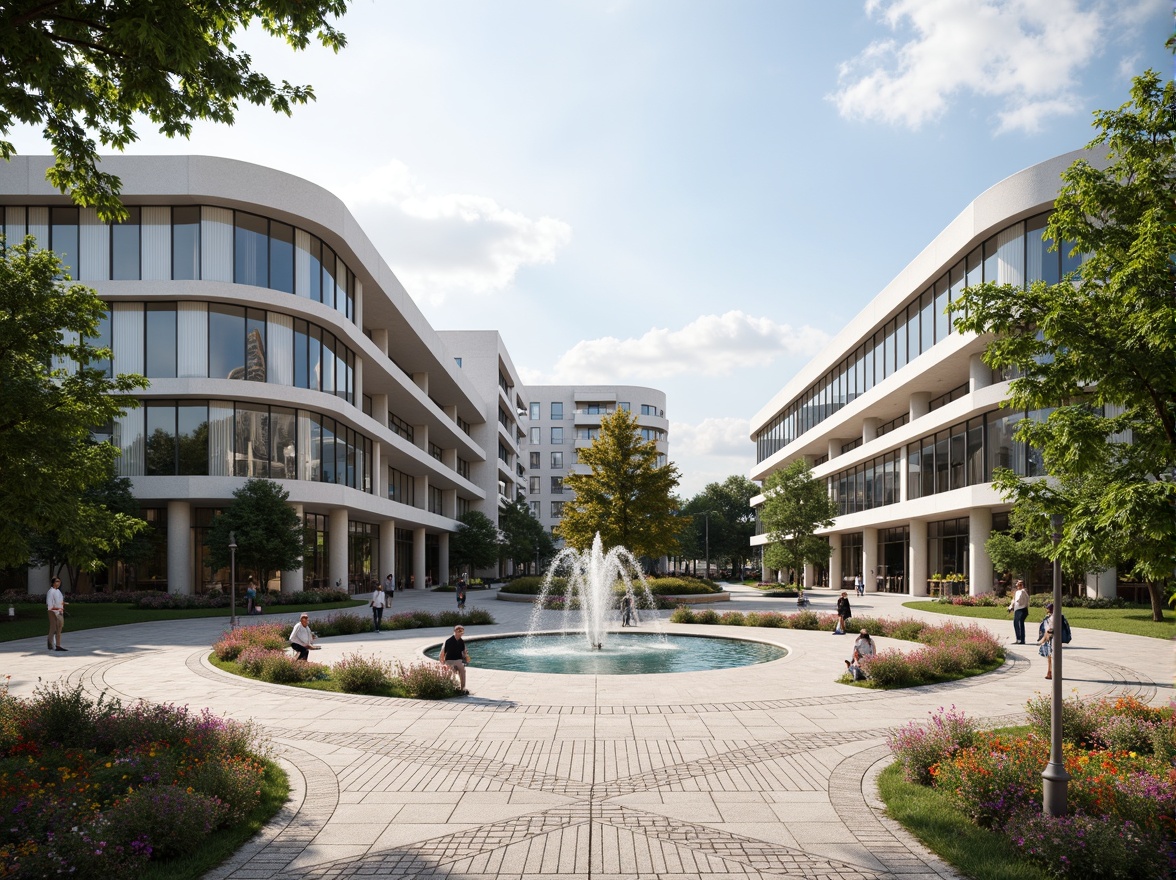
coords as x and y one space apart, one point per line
1020 608
301 638
377 603
55 602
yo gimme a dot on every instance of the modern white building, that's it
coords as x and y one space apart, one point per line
278 344
563 419
900 415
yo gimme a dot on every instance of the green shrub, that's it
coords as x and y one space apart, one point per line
234 780
682 614
906 629
280 668
173 820
679 586
342 623
62 714
804 620
1080 718
357 674
731 618
1082 846
427 680
890 669
532 586
919 747
707 615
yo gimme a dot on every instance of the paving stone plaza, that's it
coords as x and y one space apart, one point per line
760 772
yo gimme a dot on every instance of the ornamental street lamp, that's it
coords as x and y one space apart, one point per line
232 579
1054 777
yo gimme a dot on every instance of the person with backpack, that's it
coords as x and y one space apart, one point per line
1045 636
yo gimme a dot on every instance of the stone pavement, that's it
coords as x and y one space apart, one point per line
760 772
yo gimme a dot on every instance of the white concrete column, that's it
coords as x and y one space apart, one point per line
379 472
387 548
835 574
380 338
834 449
920 404
809 575
449 503
38 580
418 557
380 408
1102 584
870 429
979 563
917 557
870 558
443 558
293 581
421 380
179 548
357 384
979 374
357 300
904 476
337 543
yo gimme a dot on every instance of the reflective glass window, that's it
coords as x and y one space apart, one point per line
900 343
942 462
314 269
251 250
914 459
536 435
186 243
958 453
192 438
301 379
161 340
255 351
1070 262
942 318
975 452
102 340
314 357
124 247
284 454
927 320
251 441
226 341
328 277
888 351
63 239
328 370
557 436
990 261
956 278
974 268
557 412
329 447
281 257
535 411
161 439
927 468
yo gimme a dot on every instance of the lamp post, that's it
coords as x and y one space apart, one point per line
1054 777
706 538
232 579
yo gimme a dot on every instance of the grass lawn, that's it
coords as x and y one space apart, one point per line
1134 619
932 818
275 790
31 618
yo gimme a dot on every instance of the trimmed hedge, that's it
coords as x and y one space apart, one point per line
659 586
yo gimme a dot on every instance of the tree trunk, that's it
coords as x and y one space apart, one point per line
1156 594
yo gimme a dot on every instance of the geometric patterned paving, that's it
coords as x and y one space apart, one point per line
761 773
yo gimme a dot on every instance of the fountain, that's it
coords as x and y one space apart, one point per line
587 643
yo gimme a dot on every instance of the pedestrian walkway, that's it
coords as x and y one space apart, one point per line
760 772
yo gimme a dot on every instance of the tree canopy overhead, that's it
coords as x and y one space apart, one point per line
84 69
627 496
1099 350
475 544
54 392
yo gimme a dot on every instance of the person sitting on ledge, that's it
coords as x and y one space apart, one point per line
301 638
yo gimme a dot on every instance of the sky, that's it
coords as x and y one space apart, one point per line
694 196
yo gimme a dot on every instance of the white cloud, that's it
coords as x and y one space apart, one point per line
451 243
1026 54
712 345
710 451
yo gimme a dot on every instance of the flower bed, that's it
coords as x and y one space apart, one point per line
1121 801
951 651
99 789
260 652
991 600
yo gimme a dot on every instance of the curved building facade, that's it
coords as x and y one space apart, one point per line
900 415
278 344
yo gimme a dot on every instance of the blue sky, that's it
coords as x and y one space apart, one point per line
688 195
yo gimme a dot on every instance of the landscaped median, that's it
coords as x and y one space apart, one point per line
1109 615
668 592
261 652
975 797
95 788
949 651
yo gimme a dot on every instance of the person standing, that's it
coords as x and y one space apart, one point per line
55 603
461 593
454 655
1020 608
844 613
301 638
859 585
250 596
626 610
390 585
1045 640
377 603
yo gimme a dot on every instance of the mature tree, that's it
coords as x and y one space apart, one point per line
523 536
53 393
1099 349
475 544
81 68
722 517
626 496
268 531
106 524
795 506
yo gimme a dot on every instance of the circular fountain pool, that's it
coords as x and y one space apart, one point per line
621 654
